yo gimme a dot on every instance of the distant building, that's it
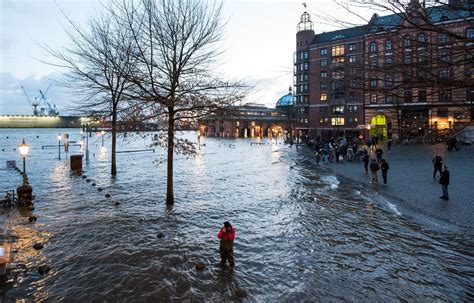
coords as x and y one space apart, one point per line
250 120
385 78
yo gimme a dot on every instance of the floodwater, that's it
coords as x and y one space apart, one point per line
303 233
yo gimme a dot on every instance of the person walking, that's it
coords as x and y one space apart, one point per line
384 168
444 181
437 165
365 158
374 167
389 145
227 235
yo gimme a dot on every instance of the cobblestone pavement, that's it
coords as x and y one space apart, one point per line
411 184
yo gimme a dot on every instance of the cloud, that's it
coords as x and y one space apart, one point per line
14 102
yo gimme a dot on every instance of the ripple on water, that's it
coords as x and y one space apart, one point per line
302 233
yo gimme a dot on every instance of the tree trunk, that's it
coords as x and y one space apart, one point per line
113 169
169 177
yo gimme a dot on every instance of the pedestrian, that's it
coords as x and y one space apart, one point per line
384 168
365 158
374 167
389 145
226 248
444 181
437 165
337 151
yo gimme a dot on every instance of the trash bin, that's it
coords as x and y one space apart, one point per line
76 162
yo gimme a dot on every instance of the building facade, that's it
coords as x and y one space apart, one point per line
251 120
401 74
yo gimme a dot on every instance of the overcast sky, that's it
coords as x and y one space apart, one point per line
260 41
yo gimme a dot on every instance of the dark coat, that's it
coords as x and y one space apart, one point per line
384 166
374 166
444 179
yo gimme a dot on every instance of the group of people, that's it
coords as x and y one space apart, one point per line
333 150
376 164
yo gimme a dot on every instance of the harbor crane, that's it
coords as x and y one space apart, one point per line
41 105
52 110
35 104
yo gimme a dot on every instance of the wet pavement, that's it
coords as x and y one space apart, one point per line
304 233
411 183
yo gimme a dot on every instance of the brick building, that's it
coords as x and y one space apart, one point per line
402 74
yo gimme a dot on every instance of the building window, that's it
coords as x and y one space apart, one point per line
421 56
407 58
388 45
388 99
444 56
324 74
352 108
442 38
407 41
373 98
352 58
338 74
305 55
337 121
373 62
337 50
323 85
353 120
388 81
373 82
470 33
421 37
323 62
422 95
323 51
388 61
373 47
445 95
352 47
338 59
407 95
323 97
338 109
351 95
306 65
323 121
444 73
353 83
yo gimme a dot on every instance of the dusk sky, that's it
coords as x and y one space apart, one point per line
259 43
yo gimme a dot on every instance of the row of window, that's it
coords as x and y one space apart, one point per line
421 38
323 97
407 97
337 50
339 121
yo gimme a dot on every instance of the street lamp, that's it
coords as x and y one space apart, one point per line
102 133
24 148
59 146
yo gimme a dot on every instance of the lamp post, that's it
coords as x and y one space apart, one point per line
24 191
59 146
24 148
102 134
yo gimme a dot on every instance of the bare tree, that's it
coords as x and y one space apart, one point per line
177 49
97 65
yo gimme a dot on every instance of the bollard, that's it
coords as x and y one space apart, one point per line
76 162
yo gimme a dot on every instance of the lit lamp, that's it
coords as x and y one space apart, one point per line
24 148
24 191
59 146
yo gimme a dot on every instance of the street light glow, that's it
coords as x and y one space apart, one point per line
24 149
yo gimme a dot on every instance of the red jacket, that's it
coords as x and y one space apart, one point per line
226 236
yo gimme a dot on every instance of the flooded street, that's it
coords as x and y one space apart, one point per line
303 233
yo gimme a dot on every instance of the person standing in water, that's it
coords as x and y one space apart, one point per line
227 235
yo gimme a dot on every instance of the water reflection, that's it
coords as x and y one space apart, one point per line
302 233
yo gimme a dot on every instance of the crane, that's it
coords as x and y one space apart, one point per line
34 104
52 110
